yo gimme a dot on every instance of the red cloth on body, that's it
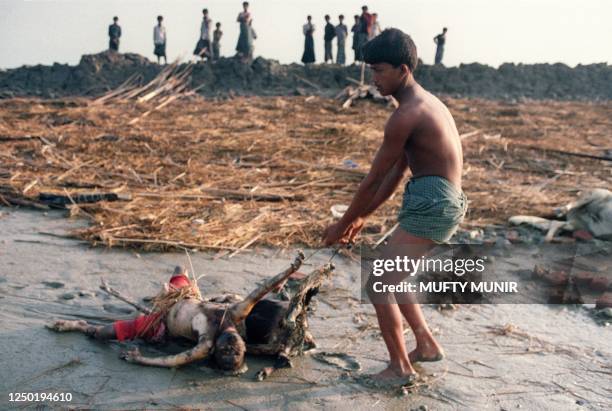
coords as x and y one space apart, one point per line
131 329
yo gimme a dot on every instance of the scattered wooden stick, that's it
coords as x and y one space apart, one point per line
571 153
387 234
178 244
244 247
105 287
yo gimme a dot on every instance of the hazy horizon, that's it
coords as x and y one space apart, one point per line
488 32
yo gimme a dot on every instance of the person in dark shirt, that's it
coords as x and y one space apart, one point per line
330 33
355 31
440 40
363 33
308 29
114 33
216 45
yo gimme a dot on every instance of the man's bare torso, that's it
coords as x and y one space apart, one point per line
434 148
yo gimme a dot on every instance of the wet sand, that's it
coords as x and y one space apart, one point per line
558 357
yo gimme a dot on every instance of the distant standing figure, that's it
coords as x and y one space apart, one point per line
216 45
330 33
341 34
440 40
375 26
159 40
247 34
309 54
365 29
202 48
355 31
114 33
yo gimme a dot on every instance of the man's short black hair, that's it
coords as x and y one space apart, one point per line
392 46
308 17
364 8
341 16
245 3
356 16
160 17
204 11
115 18
326 16
218 24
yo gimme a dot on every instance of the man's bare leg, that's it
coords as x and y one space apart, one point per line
427 348
390 323
389 315
99 332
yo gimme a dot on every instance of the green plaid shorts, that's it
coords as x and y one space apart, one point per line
432 208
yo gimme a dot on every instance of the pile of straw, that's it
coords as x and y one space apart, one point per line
233 174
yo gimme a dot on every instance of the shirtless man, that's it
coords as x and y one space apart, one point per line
421 136
219 326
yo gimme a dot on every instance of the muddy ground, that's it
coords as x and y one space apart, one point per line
499 356
97 73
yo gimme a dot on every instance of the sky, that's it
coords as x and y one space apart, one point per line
486 31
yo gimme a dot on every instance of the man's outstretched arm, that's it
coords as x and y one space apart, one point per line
397 131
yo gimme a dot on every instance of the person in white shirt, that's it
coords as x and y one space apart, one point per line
203 46
376 30
159 40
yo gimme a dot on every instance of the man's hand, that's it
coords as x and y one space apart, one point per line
339 233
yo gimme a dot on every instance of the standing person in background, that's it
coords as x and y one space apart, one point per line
216 45
159 40
245 47
375 26
203 47
309 54
355 31
330 33
114 33
253 38
440 40
341 34
365 28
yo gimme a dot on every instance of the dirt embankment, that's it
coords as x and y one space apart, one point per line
98 73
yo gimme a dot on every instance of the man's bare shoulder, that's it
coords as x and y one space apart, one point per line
407 114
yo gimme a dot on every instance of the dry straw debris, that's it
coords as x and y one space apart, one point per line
232 174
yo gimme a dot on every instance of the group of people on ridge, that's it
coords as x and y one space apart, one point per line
205 48
366 27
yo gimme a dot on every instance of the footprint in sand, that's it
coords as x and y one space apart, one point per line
53 284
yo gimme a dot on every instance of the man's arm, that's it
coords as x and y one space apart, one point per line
390 152
199 352
388 187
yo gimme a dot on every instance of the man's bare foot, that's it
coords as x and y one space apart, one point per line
390 378
391 374
426 353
